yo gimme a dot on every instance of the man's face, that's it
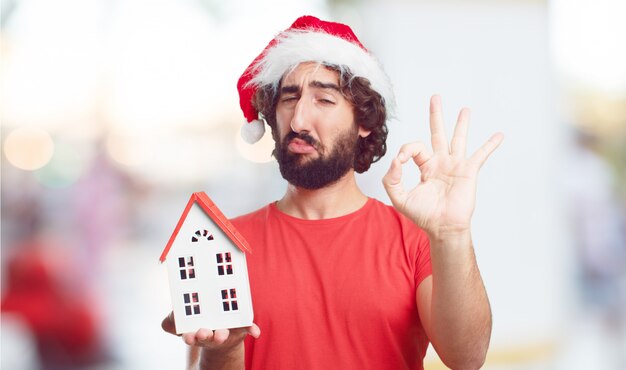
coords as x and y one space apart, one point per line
315 130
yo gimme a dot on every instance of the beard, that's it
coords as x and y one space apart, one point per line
318 172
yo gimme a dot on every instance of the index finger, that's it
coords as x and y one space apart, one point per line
438 136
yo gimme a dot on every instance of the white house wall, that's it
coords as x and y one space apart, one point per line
207 283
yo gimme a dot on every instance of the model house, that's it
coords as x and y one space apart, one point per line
206 265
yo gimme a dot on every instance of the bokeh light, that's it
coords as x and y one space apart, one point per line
129 150
28 148
69 162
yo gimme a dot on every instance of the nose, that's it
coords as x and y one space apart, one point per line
300 121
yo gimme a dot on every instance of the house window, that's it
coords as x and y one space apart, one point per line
192 304
201 234
229 300
186 268
224 263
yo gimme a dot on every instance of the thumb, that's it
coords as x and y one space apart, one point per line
169 324
392 181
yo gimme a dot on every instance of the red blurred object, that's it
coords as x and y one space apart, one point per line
60 318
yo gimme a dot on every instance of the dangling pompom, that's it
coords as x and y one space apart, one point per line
253 131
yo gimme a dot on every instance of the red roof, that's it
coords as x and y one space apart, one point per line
216 215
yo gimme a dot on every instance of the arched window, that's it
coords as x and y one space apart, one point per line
201 234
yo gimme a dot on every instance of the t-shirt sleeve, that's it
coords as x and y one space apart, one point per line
423 267
418 245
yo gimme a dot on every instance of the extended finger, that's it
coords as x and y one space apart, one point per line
204 336
481 155
459 138
189 338
254 331
438 136
220 336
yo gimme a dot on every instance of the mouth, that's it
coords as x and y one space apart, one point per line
300 146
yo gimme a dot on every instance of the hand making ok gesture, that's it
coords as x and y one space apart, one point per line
443 201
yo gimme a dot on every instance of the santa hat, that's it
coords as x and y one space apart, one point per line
309 39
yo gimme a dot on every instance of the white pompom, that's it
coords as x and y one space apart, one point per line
253 131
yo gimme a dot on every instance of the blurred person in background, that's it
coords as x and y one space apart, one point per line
338 279
43 291
597 221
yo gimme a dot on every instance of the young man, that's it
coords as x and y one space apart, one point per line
340 280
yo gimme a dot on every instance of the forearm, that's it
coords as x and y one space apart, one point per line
460 312
232 360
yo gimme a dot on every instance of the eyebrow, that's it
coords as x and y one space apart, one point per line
324 85
290 89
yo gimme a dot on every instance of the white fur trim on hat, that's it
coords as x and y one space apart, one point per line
299 46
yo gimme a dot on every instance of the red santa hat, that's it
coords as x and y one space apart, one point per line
309 39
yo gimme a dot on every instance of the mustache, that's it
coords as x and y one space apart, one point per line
302 136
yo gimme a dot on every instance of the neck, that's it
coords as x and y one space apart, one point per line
335 200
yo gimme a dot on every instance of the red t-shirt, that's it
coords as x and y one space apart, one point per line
337 293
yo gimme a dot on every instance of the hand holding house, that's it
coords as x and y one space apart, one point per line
207 271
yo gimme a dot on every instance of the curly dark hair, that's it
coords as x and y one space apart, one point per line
368 108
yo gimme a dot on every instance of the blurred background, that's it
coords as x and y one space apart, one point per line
113 112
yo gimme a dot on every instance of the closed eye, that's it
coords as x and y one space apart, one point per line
288 98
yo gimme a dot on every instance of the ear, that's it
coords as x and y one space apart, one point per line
364 132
